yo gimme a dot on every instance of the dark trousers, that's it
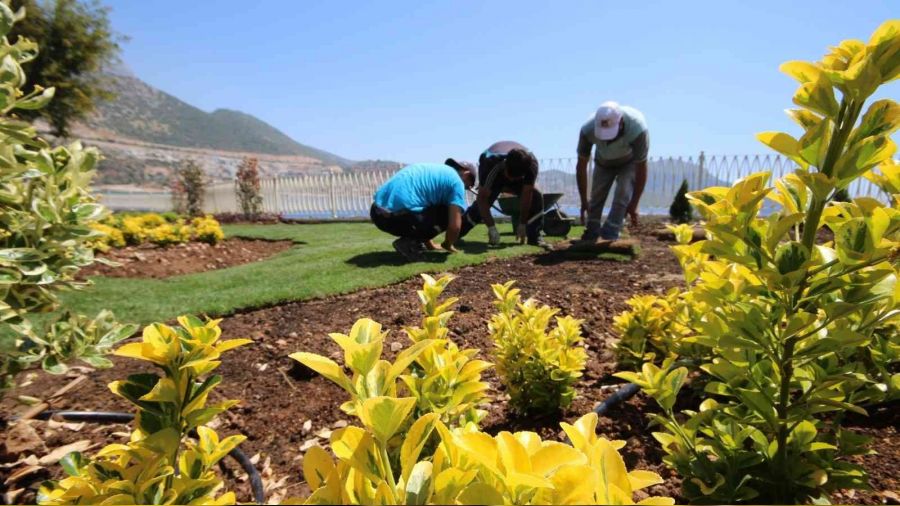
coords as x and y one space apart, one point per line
421 226
534 222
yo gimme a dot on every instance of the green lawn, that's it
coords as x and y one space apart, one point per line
326 259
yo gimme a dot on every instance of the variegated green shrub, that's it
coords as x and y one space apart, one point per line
47 216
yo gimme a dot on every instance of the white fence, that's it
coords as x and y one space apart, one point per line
350 194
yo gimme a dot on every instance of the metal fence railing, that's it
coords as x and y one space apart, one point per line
342 195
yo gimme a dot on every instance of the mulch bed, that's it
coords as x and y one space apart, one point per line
283 407
151 261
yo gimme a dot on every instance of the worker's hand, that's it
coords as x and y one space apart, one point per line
449 247
632 213
493 236
584 212
521 233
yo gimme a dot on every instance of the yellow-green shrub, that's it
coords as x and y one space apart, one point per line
168 234
160 464
656 327
539 366
797 330
441 378
112 237
468 466
162 230
207 229
444 379
133 230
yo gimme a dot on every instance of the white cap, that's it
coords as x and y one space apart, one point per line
606 121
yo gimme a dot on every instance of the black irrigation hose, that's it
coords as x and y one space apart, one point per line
621 395
256 483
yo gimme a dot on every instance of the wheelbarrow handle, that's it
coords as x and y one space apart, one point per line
493 206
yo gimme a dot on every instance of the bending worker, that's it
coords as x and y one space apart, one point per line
508 167
622 143
419 202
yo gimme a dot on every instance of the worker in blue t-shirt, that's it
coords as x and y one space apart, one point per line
420 201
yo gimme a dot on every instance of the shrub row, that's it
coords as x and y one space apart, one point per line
161 229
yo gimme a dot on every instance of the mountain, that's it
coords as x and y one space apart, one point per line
144 113
145 133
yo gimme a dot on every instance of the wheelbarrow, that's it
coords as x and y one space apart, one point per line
556 222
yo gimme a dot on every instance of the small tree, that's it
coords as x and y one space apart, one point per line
193 181
680 211
246 187
179 199
76 42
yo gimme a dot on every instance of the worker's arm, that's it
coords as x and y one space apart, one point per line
581 178
640 148
484 205
454 224
640 180
524 211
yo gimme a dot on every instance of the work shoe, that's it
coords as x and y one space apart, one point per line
410 249
590 236
541 243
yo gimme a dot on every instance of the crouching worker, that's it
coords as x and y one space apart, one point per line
508 167
419 202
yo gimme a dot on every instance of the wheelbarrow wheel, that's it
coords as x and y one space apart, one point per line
557 224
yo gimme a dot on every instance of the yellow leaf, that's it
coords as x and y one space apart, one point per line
513 455
657 501
613 474
583 433
573 484
553 456
416 438
480 447
385 415
784 144
449 483
230 344
802 71
481 493
317 466
818 96
324 366
163 391
357 448
132 350
530 440
642 479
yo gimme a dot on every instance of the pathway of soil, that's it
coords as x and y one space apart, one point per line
150 261
278 398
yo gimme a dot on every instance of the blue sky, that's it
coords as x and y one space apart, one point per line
420 81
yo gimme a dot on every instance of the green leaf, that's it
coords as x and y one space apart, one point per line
52 365
72 463
790 257
760 404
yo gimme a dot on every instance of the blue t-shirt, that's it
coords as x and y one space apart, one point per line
422 185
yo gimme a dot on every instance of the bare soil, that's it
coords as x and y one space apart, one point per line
278 397
151 261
